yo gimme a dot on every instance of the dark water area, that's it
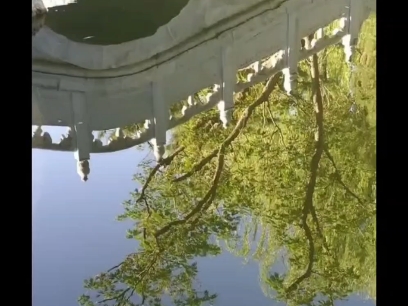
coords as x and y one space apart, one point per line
107 22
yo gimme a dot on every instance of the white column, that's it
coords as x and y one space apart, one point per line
160 119
292 51
356 14
82 134
228 80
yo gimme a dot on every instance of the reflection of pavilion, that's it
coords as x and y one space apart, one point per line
93 87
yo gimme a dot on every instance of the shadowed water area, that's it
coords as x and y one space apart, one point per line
106 22
281 213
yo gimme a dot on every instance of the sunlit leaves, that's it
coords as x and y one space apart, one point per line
260 199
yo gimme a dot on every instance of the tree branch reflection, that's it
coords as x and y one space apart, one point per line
255 190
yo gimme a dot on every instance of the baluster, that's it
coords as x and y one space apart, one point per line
37 138
66 141
293 45
38 131
46 139
160 120
319 35
116 136
41 139
191 103
256 67
119 133
117 140
228 80
97 144
147 124
351 24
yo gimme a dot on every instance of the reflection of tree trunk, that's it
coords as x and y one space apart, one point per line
206 201
308 207
324 65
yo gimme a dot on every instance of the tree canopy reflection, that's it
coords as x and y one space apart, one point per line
302 181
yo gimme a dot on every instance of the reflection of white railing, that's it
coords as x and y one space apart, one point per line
87 100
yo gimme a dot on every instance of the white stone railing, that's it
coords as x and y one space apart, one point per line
87 100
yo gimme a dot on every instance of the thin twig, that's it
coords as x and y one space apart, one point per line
208 198
119 296
206 201
165 161
142 197
276 125
339 178
141 275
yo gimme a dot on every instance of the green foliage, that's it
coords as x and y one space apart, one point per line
260 198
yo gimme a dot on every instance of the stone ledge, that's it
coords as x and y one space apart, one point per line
193 19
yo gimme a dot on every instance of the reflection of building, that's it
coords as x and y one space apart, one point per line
94 87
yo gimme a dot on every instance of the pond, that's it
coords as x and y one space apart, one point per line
76 236
274 217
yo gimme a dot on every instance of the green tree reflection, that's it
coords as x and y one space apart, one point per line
302 181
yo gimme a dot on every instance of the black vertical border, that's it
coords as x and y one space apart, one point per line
16 149
392 155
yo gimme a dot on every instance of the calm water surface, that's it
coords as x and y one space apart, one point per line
76 236
75 232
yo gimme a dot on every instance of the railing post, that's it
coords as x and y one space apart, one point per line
67 140
160 119
257 67
352 24
228 80
82 135
292 51
41 139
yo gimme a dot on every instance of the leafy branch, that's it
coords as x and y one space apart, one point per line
164 162
339 178
270 85
121 297
142 197
205 202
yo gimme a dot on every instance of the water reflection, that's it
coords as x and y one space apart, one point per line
295 195
289 188
106 22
